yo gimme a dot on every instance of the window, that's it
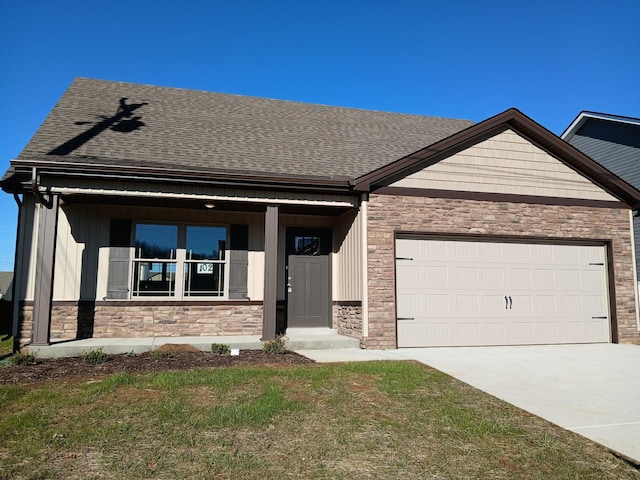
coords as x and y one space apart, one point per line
204 265
306 245
179 261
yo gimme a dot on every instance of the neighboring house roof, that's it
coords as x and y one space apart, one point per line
130 125
6 278
611 140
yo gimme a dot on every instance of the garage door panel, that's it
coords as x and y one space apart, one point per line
466 275
492 293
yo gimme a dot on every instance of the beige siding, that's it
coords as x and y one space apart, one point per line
347 271
509 164
27 248
82 273
68 266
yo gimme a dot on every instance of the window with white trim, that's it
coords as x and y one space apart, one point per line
180 261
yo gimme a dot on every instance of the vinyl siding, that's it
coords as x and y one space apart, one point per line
82 225
27 248
614 145
82 251
509 164
347 266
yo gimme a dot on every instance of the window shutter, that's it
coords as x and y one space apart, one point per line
119 259
238 261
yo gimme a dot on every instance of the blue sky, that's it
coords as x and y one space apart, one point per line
460 59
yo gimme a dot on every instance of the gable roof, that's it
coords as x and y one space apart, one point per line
611 140
103 124
523 125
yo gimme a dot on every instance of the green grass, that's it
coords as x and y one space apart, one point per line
380 420
6 347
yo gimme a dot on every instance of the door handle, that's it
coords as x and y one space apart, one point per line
508 302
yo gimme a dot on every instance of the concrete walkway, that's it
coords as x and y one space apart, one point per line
592 390
303 338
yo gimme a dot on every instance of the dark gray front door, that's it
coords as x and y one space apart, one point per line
308 274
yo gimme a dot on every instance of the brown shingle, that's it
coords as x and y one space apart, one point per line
198 130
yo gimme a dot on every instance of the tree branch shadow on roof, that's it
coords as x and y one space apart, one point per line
122 121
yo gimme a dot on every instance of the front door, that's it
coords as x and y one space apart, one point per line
307 275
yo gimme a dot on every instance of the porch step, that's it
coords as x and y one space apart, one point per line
318 339
297 339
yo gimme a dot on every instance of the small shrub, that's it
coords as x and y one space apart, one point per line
131 354
23 359
94 356
157 354
220 349
277 345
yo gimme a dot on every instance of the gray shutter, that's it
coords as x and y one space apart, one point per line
238 261
119 259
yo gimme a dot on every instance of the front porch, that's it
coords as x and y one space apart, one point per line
297 339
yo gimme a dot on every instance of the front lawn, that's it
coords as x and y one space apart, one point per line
379 420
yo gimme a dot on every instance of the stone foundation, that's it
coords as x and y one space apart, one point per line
347 318
73 320
390 214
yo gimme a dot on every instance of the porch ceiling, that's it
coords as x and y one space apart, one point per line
199 204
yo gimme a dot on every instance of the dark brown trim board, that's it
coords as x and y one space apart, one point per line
45 264
497 197
270 272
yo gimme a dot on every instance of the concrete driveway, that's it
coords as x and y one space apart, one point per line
593 390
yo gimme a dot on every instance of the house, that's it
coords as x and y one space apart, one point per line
6 279
149 211
614 142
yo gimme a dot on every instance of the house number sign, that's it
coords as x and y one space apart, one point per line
205 268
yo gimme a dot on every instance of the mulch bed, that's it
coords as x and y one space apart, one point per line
74 367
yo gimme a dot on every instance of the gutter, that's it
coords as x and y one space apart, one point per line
85 170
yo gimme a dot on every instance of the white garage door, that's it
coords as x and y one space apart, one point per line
459 293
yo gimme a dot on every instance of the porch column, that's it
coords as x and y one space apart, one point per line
45 259
270 272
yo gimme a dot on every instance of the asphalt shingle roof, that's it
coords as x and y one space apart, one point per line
175 129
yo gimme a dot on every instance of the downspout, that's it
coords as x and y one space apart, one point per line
364 247
17 278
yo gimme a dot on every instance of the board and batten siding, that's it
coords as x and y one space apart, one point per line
509 164
82 251
347 265
27 248
82 247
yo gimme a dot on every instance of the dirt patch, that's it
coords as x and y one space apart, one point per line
73 367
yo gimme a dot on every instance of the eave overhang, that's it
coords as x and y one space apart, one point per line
18 178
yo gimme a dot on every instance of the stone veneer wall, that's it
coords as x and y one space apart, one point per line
146 319
389 214
347 318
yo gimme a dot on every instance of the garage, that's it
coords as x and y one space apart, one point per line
466 292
